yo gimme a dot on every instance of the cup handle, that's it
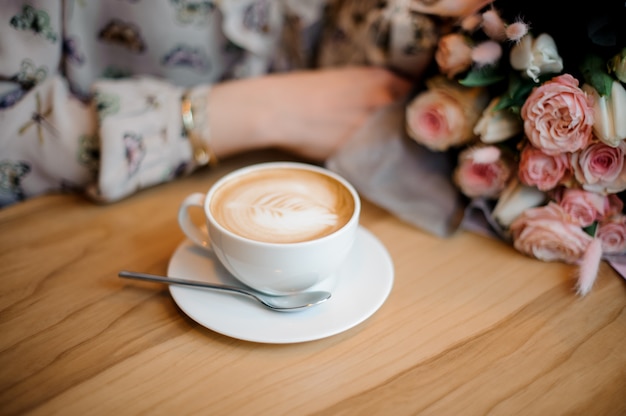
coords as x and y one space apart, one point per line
191 230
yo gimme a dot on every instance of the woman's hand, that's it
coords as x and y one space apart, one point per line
310 113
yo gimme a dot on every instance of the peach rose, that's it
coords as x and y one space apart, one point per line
600 167
541 170
558 116
548 234
584 207
444 115
482 172
453 55
612 234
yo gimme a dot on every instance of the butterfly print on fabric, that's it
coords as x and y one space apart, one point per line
89 152
135 151
112 72
123 34
72 52
256 17
37 21
11 175
189 11
185 56
10 98
30 75
106 104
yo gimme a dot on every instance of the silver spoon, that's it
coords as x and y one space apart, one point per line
282 303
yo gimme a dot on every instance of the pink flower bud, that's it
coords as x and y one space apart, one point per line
487 53
493 26
516 31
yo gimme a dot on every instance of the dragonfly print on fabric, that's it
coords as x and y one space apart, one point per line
38 118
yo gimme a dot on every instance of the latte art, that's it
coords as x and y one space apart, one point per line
282 205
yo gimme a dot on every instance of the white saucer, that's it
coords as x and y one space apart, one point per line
363 284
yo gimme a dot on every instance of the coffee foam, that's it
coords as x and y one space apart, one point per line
282 205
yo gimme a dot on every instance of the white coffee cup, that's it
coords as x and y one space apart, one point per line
278 227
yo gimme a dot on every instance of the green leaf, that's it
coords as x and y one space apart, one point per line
591 229
482 77
595 74
516 94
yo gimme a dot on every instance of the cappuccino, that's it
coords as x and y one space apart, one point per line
282 205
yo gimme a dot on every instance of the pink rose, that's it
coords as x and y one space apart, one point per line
548 234
584 207
482 171
558 116
453 55
612 234
539 169
616 206
444 114
600 168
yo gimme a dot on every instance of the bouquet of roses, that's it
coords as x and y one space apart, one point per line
543 145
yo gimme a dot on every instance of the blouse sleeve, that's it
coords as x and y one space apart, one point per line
47 139
130 137
143 141
127 137
67 125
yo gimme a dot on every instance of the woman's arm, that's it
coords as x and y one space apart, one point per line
310 113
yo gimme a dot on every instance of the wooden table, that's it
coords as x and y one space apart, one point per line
470 327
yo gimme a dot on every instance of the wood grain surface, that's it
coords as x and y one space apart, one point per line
471 327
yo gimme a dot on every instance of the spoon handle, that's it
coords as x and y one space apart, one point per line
183 282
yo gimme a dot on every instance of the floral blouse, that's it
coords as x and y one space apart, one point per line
90 91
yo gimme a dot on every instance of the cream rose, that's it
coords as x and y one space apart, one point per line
515 199
609 114
558 116
536 56
548 234
495 126
443 115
